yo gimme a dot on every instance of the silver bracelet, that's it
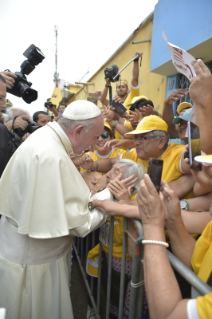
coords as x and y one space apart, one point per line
114 126
157 242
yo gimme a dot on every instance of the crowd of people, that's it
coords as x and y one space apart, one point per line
68 177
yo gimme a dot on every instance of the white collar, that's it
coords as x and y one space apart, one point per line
62 131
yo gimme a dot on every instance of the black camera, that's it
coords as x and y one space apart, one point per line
22 88
111 72
49 104
32 127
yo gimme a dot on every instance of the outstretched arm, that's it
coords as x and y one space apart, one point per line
168 115
103 98
157 269
200 91
135 74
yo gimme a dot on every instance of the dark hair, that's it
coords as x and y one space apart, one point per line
35 115
2 78
141 103
112 135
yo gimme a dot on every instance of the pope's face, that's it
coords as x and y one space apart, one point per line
89 138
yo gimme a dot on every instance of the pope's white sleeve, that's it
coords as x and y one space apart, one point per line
192 312
95 217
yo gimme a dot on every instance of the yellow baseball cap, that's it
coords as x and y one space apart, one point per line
137 98
183 106
122 81
106 124
148 124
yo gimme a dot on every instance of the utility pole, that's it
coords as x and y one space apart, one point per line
56 75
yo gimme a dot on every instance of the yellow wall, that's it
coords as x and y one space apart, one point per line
151 85
57 95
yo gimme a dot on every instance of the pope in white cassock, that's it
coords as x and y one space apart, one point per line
44 203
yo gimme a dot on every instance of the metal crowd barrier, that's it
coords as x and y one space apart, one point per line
81 247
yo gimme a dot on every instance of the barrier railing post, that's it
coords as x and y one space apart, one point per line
137 279
109 267
86 250
99 278
86 282
122 281
188 274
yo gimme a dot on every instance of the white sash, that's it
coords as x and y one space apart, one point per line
25 250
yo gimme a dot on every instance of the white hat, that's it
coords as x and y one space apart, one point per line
81 110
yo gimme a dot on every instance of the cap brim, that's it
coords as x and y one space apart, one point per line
177 120
181 107
109 128
137 132
204 159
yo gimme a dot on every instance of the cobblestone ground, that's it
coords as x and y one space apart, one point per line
78 292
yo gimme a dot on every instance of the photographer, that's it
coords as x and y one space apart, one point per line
41 118
62 107
16 119
7 146
123 94
9 78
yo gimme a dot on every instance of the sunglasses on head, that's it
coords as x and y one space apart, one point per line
104 135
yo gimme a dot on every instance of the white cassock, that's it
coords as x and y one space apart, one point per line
44 203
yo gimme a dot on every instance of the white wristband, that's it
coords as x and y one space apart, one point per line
157 242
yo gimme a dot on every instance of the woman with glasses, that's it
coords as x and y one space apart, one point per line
100 150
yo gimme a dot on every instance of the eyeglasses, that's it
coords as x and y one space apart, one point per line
143 138
104 135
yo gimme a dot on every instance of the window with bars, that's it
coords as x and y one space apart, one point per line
183 83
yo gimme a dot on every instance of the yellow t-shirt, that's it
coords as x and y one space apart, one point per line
128 125
117 237
171 158
171 165
95 156
132 155
201 262
133 93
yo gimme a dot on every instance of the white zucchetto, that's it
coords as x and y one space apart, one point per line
81 110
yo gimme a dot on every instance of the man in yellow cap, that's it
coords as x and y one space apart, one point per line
124 95
151 141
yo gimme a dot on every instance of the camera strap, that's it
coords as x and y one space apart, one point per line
13 123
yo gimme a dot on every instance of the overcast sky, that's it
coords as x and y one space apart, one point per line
89 32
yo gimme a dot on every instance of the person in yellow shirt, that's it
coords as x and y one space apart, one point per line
156 211
100 151
151 141
127 168
124 95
